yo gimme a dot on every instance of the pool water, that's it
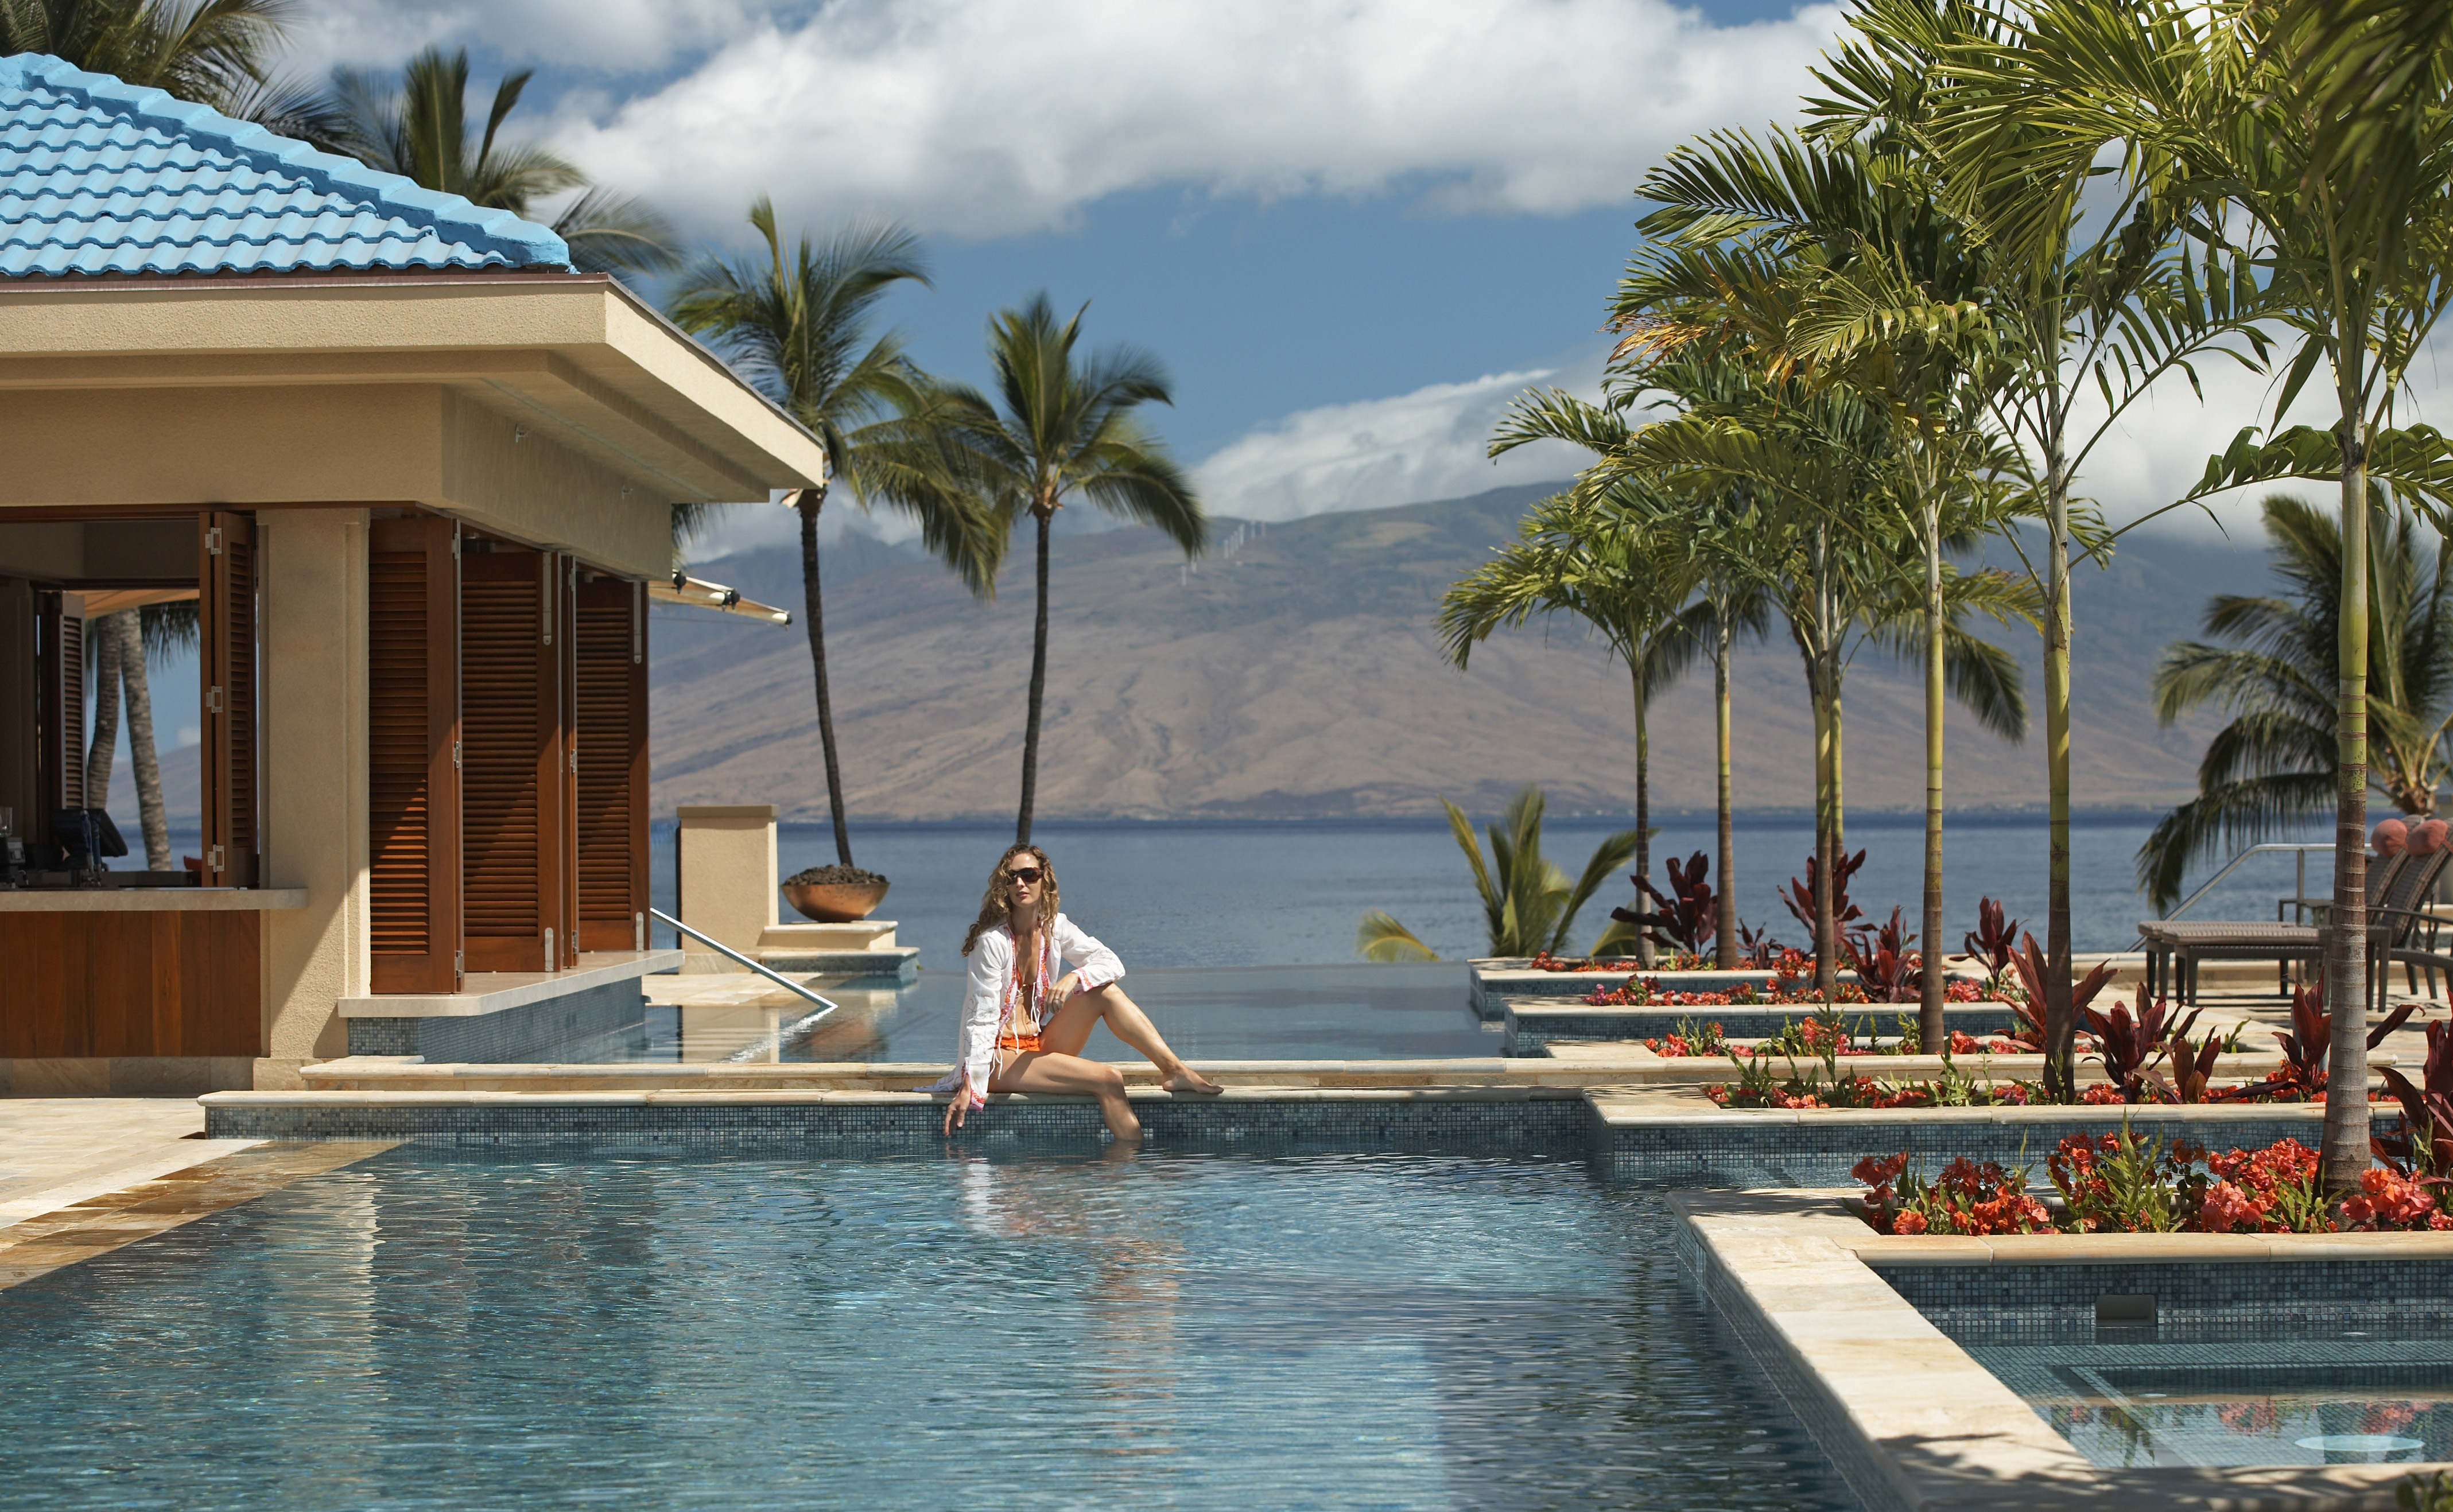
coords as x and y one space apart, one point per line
1247 1013
443 1328
2241 1401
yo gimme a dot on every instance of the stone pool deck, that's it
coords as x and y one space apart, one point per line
1911 1420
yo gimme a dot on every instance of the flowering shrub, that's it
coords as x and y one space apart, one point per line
1690 1038
1965 1199
1648 992
2126 1184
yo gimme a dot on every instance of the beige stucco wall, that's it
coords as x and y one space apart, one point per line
727 861
314 763
504 471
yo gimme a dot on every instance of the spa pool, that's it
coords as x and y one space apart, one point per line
443 1326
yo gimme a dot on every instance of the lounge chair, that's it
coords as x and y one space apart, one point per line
2397 889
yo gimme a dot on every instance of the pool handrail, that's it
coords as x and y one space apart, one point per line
776 977
2299 890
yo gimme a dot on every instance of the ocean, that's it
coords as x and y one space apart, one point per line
1245 893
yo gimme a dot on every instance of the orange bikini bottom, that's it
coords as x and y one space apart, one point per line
1027 1044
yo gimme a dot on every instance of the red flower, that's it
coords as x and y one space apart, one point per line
1908 1223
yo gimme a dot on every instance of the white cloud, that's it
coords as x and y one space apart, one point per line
615 35
1424 445
989 117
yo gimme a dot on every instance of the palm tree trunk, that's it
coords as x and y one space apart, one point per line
1930 997
1725 922
809 503
2061 1014
2346 955
1038 689
141 752
1826 693
1642 800
103 635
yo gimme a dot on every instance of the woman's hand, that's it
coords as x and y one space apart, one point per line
958 1106
1066 986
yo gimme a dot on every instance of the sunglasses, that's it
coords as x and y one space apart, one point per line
1024 874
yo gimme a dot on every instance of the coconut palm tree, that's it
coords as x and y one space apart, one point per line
417 128
210 51
798 327
2271 663
1065 432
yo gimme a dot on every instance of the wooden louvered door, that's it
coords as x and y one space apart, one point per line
513 761
412 771
61 711
565 786
609 650
225 613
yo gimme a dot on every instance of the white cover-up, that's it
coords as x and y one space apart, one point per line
988 1001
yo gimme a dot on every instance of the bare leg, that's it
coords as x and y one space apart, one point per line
1070 1030
1044 1071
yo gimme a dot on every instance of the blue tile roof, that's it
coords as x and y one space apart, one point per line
100 178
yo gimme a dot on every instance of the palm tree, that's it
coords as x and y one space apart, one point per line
2095 303
2274 763
798 329
1627 579
1066 431
1834 262
2313 139
1527 904
418 128
210 51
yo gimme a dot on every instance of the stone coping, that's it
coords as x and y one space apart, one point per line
1688 1107
1911 1420
2137 1250
483 992
382 1073
152 900
867 1097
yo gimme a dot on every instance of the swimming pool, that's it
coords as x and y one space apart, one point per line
2234 1397
442 1326
1242 1013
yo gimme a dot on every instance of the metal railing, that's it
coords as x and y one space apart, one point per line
776 977
2299 887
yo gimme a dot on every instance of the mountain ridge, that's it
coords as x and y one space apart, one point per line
1298 675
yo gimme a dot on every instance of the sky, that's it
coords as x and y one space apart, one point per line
1351 229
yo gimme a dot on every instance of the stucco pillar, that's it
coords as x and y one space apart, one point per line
726 857
313 660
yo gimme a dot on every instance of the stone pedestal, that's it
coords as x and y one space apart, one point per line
865 948
724 855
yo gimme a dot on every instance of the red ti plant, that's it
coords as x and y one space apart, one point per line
2424 1145
2128 1045
1684 918
1995 939
2300 1078
1887 970
1799 894
2029 1035
1757 949
2193 1067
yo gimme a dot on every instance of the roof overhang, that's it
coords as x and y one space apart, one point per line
577 355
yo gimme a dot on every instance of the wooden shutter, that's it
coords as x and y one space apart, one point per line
61 715
513 761
611 654
412 770
564 878
225 623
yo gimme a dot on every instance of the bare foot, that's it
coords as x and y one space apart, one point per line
1190 1079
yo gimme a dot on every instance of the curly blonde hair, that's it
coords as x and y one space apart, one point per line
996 905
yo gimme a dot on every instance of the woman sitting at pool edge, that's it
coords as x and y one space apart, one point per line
1023 1031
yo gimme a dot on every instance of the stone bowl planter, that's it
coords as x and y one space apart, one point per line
835 904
